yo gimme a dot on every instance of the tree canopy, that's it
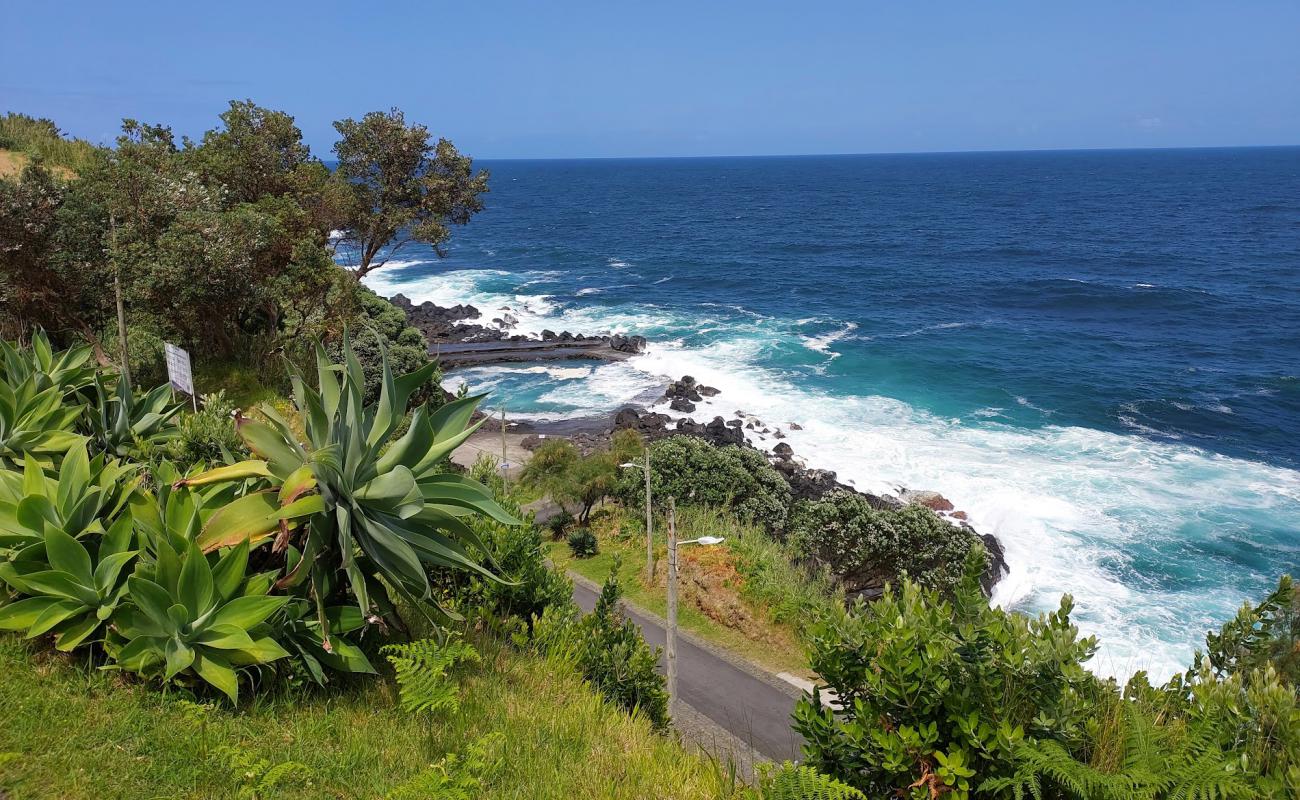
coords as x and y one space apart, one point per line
222 244
403 187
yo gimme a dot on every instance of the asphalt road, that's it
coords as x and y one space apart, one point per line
749 708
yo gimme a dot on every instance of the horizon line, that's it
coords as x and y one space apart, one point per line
991 151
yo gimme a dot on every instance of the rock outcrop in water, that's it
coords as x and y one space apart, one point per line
457 341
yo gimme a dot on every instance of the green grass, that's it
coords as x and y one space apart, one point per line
743 595
241 384
73 732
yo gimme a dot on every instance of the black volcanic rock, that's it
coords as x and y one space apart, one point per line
998 568
684 389
627 344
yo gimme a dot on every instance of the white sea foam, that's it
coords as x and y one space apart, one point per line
1065 501
822 343
1071 505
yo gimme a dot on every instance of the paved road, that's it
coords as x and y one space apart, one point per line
751 709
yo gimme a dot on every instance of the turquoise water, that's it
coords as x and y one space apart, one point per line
1094 354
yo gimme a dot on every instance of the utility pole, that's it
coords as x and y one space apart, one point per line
649 526
505 465
117 292
670 638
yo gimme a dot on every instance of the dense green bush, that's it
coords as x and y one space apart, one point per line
609 652
207 436
694 471
583 544
144 353
866 548
935 692
943 695
530 585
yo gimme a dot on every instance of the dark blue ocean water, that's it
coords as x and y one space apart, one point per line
1096 353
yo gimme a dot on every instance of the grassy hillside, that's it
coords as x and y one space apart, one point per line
23 137
73 732
744 595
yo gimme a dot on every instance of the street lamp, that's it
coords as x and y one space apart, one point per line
670 635
649 519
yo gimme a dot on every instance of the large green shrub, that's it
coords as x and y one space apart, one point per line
144 353
933 693
693 471
939 695
530 585
608 650
865 548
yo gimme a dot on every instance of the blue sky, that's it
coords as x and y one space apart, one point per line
576 79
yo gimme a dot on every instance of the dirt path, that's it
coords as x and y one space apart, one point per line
489 442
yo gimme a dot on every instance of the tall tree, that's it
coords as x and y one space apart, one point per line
404 188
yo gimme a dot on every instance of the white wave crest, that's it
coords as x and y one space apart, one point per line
822 343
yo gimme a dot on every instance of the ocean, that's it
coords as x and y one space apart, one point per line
1095 354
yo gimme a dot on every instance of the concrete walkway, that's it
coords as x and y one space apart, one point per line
489 442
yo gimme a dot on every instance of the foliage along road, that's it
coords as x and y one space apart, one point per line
753 710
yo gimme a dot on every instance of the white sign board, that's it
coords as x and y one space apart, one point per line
178 369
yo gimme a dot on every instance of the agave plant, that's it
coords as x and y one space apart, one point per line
190 617
306 638
389 511
123 423
84 498
67 371
35 421
68 592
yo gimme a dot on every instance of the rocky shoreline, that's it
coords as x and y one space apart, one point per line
457 340
449 328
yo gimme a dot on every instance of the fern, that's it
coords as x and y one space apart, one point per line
1157 765
422 669
259 779
791 782
456 777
